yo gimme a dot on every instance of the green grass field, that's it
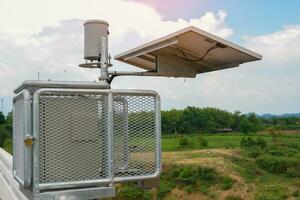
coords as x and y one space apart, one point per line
222 169
230 140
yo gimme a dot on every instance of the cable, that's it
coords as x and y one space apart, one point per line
218 45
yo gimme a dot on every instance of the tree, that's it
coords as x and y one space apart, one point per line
4 134
254 122
171 121
2 118
9 119
245 126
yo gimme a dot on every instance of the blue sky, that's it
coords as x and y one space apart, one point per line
246 17
47 37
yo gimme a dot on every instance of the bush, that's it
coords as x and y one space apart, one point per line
227 183
187 176
279 165
8 146
229 145
207 174
4 134
248 142
233 197
271 193
281 151
133 192
260 142
250 172
293 145
164 188
254 152
202 142
296 193
184 142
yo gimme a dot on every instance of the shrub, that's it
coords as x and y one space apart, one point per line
296 193
4 134
271 193
133 192
184 142
164 188
233 197
187 176
248 142
254 152
8 146
229 145
207 173
250 172
280 165
260 142
175 172
293 145
227 183
190 189
281 151
202 142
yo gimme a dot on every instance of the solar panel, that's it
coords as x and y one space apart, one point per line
186 53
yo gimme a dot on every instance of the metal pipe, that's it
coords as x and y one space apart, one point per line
104 61
128 73
114 74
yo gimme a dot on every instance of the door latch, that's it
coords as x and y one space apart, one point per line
29 141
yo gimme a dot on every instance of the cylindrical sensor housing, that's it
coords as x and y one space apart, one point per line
94 31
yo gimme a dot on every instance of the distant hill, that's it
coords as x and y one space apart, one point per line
286 115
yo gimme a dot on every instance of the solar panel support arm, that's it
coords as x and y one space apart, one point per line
114 74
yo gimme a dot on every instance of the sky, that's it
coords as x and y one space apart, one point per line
47 37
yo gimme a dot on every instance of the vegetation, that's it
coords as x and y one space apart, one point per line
132 192
209 120
259 159
6 131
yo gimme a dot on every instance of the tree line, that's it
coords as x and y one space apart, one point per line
5 129
209 120
193 120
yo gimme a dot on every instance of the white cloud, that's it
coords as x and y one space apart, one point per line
47 37
270 85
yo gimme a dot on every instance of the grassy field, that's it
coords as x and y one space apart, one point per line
223 170
218 167
232 140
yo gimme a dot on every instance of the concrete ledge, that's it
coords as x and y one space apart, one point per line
9 187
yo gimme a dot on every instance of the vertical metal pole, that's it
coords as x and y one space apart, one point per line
36 150
110 138
104 61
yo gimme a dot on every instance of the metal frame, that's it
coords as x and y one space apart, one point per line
27 165
37 186
126 143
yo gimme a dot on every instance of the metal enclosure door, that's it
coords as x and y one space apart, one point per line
22 159
136 122
92 137
72 130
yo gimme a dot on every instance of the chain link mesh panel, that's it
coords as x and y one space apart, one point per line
73 137
135 135
18 134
